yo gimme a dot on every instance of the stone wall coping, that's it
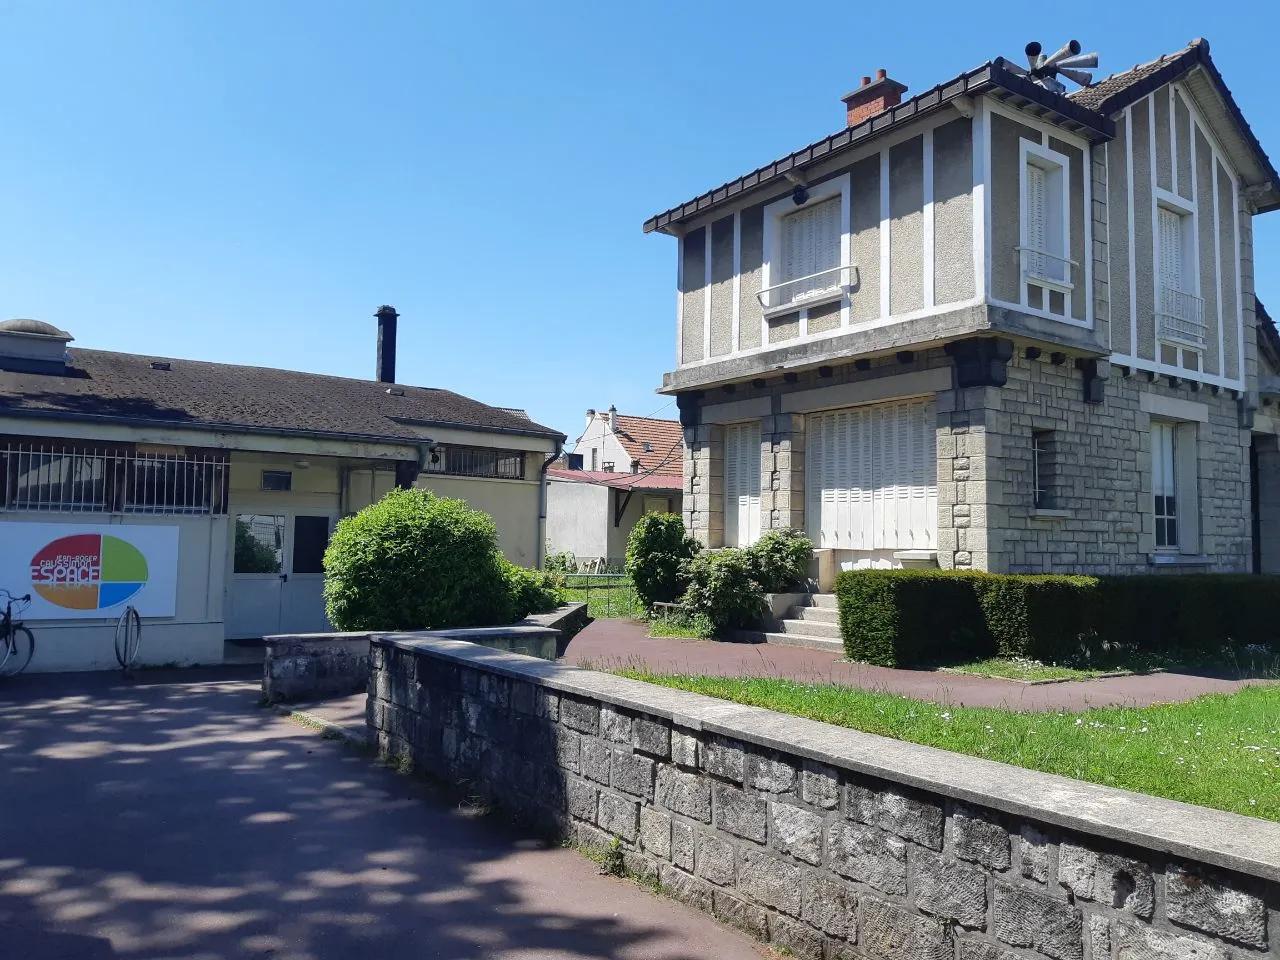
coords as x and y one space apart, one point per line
1242 844
315 637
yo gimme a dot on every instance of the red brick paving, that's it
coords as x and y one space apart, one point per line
609 644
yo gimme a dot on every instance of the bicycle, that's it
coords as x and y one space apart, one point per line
17 643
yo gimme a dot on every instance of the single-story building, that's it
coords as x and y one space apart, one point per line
622 467
204 494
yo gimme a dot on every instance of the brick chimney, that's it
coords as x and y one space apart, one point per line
872 98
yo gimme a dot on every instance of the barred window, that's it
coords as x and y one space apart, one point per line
477 462
1044 452
52 476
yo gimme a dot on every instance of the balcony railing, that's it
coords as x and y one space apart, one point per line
803 291
1180 318
1043 267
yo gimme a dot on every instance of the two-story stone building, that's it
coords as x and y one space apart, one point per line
992 326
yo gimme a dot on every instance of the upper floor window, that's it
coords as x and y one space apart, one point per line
804 245
1180 325
811 251
477 462
1046 267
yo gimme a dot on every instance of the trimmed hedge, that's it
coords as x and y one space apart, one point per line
907 618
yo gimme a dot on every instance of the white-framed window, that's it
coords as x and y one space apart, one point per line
1180 326
1044 248
806 248
1174 486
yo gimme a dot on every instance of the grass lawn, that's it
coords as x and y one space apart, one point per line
1019 668
606 596
1257 662
1218 751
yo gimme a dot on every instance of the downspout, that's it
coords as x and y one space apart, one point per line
407 472
541 548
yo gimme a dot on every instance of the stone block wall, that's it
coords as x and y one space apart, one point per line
303 666
825 841
1104 520
782 472
703 501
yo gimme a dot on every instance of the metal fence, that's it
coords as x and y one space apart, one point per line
607 595
52 477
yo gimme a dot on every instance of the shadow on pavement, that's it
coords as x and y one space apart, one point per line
178 820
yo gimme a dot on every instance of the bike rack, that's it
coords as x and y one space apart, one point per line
128 638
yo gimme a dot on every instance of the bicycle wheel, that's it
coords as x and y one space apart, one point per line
20 647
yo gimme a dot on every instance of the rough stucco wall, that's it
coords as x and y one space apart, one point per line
1227 250
864 244
1118 248
694 286
953 211
513 504
722 286
825 317
1164 162
576 518
617 535
1182 135
1080 293
1143 249
1100 252
1005 184
785 327
751 260
1208 268
906 213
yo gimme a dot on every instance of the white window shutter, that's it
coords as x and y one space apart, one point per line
1170 230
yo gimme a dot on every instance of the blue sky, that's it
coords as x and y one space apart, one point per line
246 181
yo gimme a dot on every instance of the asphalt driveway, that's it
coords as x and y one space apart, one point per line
172 818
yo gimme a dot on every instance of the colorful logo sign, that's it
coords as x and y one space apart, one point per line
88 571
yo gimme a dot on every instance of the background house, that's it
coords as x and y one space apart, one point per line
205 493
622 467
994 326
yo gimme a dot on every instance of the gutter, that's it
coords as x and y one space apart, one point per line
540 549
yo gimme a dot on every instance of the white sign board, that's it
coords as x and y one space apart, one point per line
76 571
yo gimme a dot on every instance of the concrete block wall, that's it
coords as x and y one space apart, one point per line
825 841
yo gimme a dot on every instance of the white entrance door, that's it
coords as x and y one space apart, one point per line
741 484
277 576
872 477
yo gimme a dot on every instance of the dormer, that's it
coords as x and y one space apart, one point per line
33 346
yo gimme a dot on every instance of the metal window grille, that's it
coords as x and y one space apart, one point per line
54 477
477 462
1044 463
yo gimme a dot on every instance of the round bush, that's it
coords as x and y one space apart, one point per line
780 560
532 591
658 555
722 588
415 561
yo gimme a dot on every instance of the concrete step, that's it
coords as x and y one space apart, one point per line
826 601
809 643
816 614
811 628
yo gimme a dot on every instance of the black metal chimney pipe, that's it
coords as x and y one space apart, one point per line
387 317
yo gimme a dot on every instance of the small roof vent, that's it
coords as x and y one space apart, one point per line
395 391
33 346
161 365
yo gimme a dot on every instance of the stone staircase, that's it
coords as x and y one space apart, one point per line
814 624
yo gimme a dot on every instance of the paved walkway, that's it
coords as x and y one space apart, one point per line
609 644
171 817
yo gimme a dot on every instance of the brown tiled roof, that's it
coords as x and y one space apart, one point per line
1097 96
100 385
664 437
620 481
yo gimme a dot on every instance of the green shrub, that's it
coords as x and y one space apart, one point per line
780 560
682 624
562 561
532 591
414 561
723 589
901 618
658 555
927 617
